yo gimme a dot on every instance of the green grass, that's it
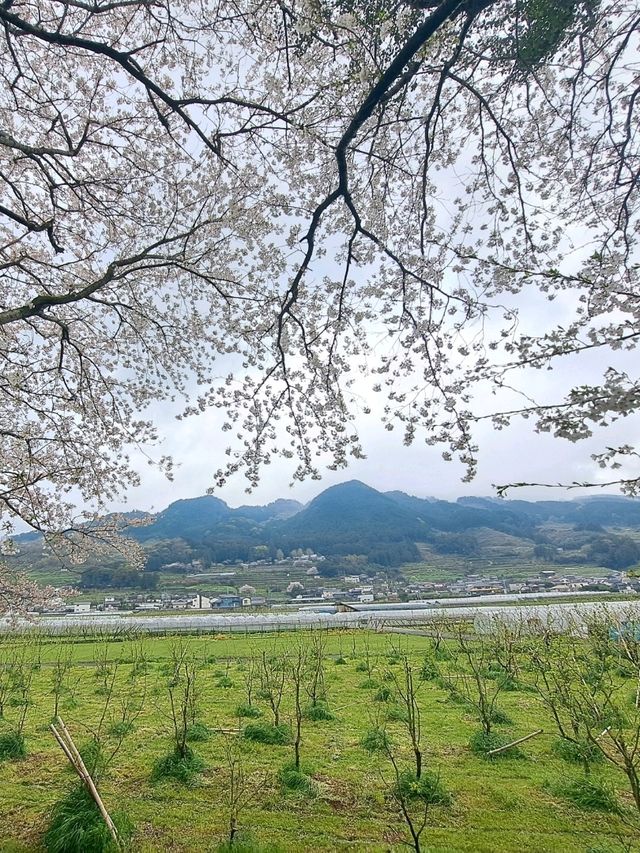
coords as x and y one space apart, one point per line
319 713
198 732
76 826
500 805
296 780
264 732
587 793
245 710
428 788
178 767
12 746
376 740
577 753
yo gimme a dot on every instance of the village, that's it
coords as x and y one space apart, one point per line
314 590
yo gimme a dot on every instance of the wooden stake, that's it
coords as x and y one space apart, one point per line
70 750
514 742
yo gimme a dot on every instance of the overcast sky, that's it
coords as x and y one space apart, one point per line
513 454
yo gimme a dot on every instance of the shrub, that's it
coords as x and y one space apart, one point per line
267 733
293 779
442 653
318 712
383 695
429 670
587 793
198 732
500 718
482 743
361 666
121 729
245 710
225 681
397 714
19 702
77 826
506 682
368 684
376 740
93 757
576 753
340 661
453 695
182 768
427 788
12 746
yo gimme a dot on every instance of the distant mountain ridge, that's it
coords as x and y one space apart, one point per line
353 518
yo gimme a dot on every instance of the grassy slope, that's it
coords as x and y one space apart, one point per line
499 806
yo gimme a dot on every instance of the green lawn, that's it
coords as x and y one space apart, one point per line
502 805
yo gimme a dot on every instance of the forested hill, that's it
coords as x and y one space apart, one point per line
387 528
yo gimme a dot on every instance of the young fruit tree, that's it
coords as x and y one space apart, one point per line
281 211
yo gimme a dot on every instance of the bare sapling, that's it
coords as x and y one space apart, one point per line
298 663
183 704
241 790
553 679
273 673
413 810
249 677
315 684
61 683
472 685
407 689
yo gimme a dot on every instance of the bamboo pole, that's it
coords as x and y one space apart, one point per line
514 742
70 750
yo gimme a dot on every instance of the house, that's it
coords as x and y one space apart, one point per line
331 593
229 602
200 602
82 607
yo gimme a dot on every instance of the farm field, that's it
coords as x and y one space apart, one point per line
119 691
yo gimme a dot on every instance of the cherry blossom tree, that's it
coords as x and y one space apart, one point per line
291 207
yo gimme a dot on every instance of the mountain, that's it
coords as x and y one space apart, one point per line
187 519
281 508
386 528
459 516
607 510
346 507
353 518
